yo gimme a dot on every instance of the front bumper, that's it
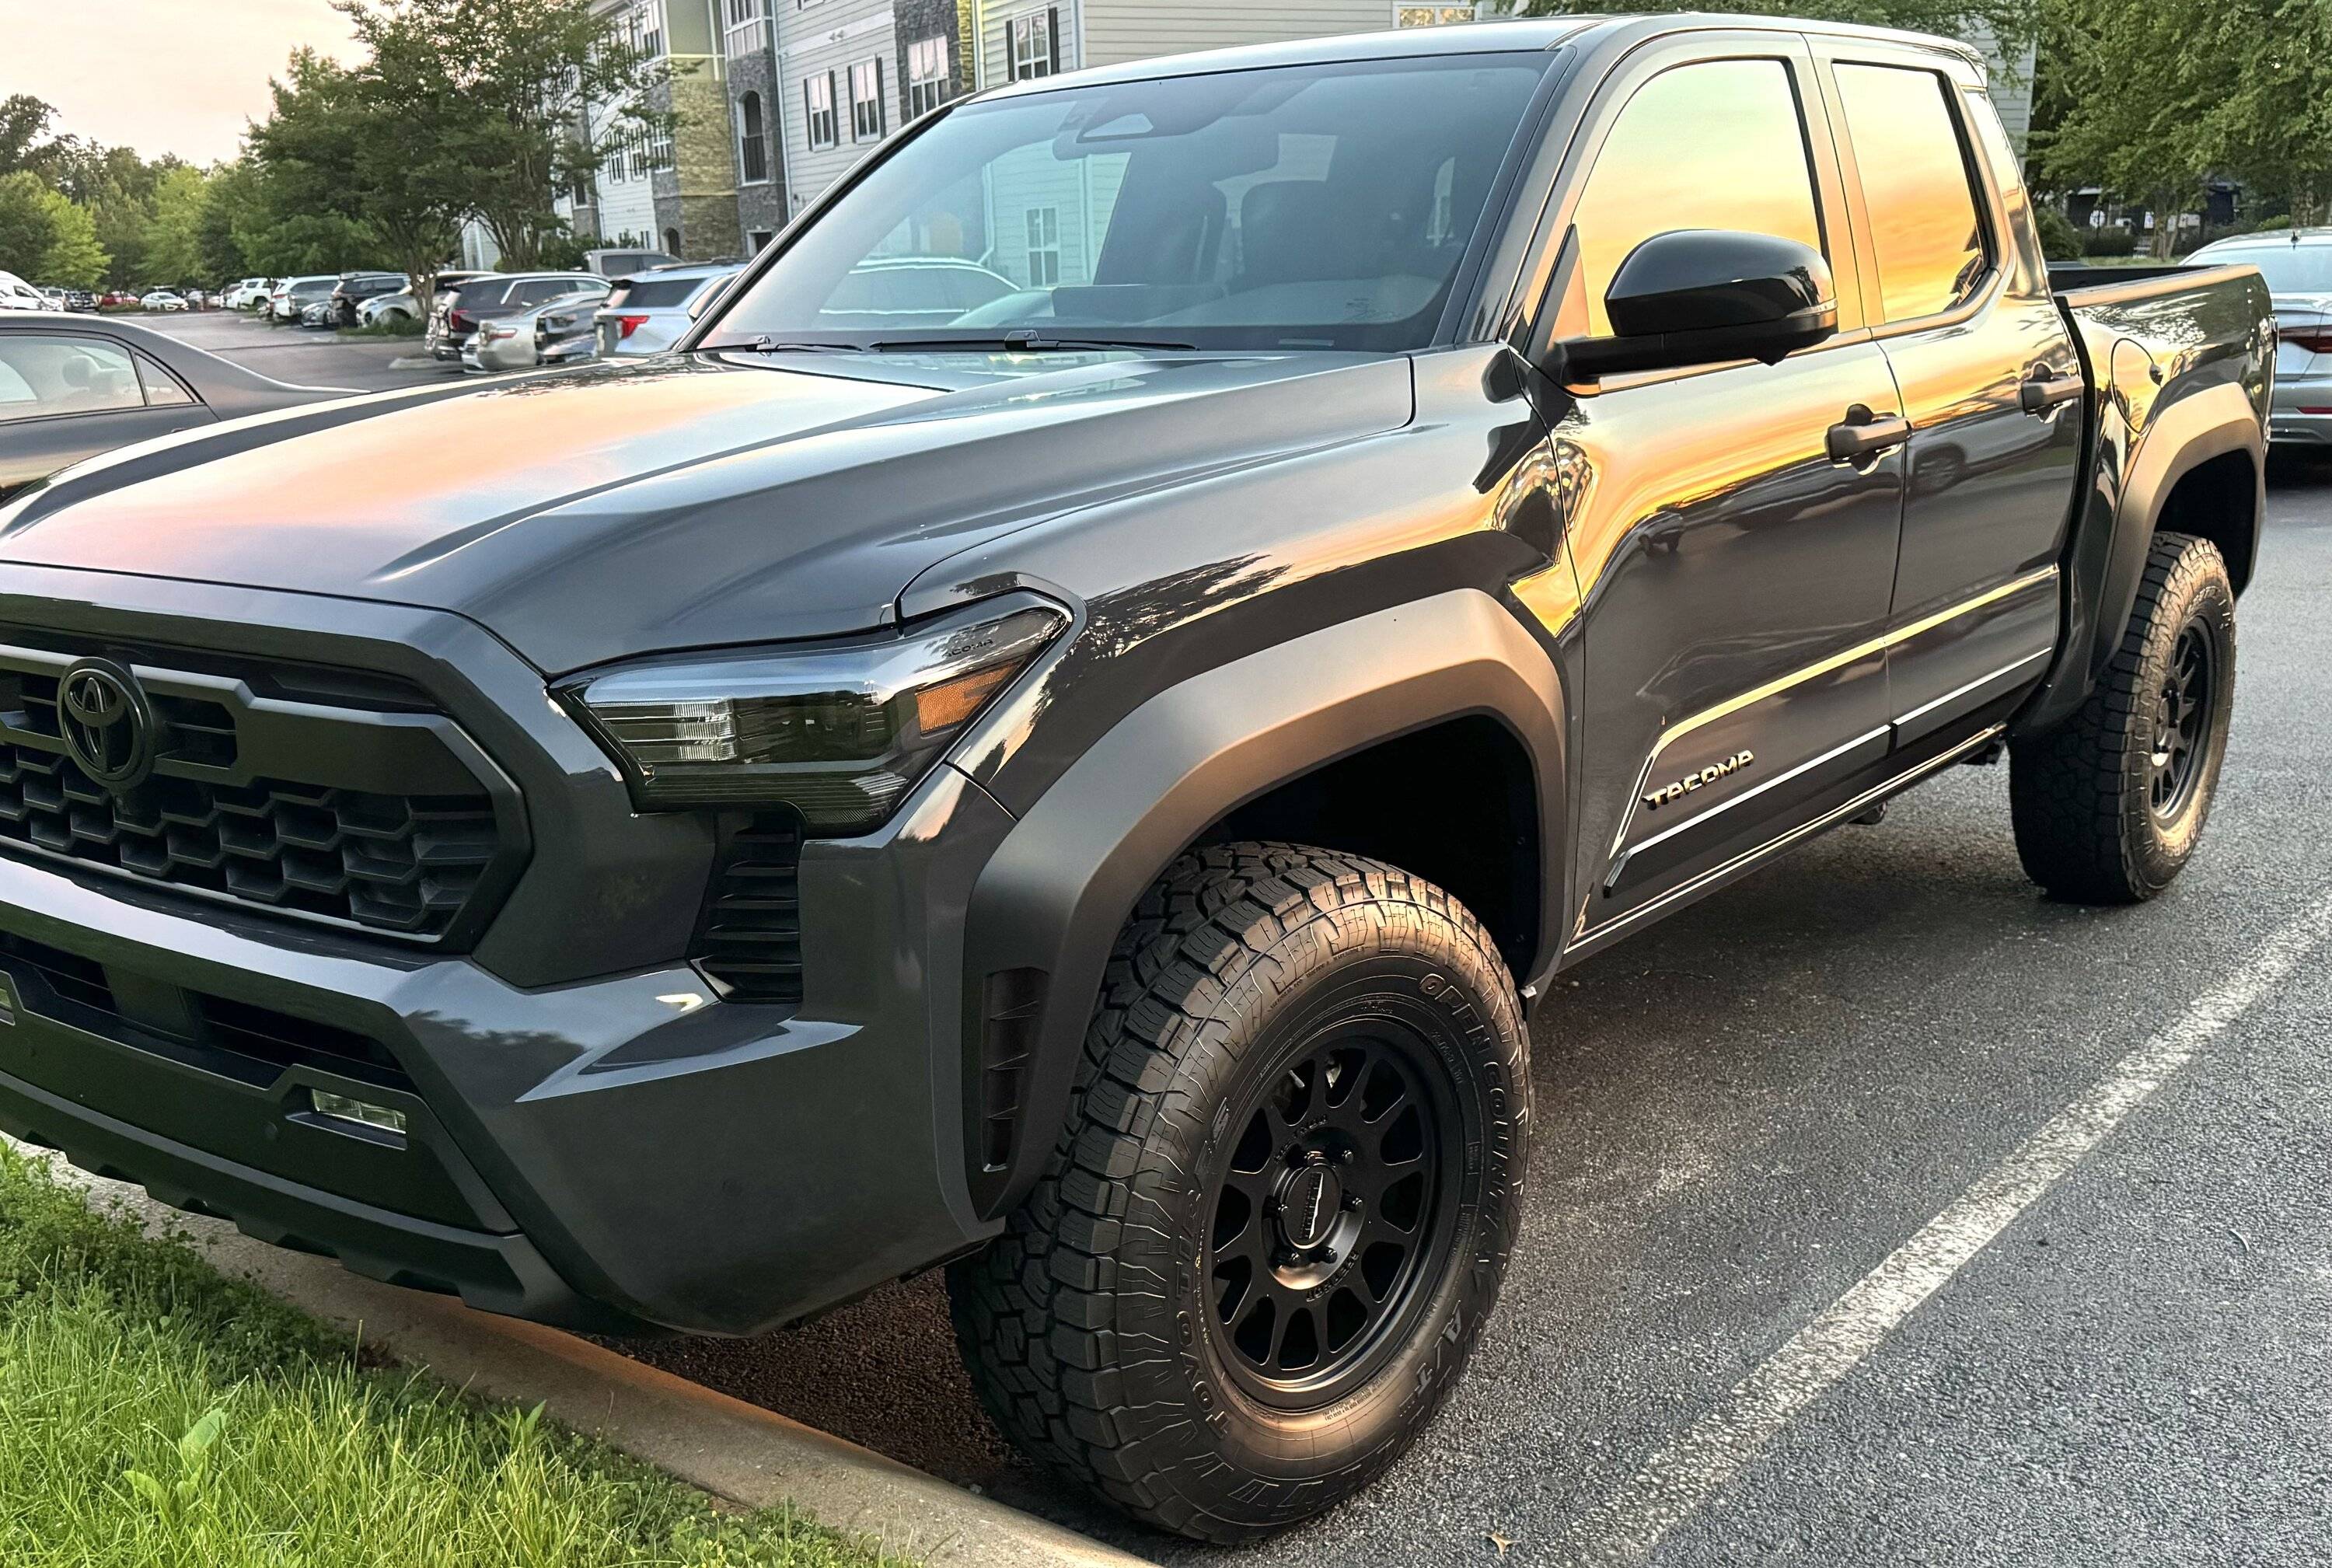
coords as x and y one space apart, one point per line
610 1147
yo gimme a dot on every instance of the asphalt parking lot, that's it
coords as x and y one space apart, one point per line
297 355
2110 1345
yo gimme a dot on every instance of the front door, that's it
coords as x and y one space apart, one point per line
1735 577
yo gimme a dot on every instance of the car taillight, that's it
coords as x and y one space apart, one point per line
630 324
2315 339
456 322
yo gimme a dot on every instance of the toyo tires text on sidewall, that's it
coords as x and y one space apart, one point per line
1271 1013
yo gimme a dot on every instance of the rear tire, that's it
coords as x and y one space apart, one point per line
2110 805
1282 1203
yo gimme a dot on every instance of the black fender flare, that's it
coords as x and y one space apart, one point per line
1052 899
2107 554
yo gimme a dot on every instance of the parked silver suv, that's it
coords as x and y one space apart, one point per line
647 312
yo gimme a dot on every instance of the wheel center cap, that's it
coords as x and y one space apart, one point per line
1311 1200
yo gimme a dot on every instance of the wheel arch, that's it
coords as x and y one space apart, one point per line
1229 747
2198 465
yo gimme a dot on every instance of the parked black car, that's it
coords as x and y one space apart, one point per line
80 299
1089 792
71 389
354 288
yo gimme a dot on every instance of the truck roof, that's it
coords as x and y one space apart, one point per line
1499 38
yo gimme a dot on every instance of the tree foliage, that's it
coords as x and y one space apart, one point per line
490 101
2150 100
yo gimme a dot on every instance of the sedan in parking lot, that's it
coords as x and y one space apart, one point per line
559 332
2297 266
162 300
647 312
456 315
70 389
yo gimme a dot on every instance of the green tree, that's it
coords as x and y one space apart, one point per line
74 258
24 142
174 236
499 94
2153 100
28 223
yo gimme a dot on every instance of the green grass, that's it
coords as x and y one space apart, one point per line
155 1414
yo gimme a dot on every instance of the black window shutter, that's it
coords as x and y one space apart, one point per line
1053 38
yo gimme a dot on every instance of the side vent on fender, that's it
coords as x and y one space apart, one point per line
1012 1002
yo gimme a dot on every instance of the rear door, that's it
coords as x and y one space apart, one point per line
1732 575
1990 380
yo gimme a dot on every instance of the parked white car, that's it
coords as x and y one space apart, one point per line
556 332
648 311
382 308
161 300
249 294
16 294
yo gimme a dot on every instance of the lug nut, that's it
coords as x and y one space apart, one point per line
1353 1203
1344 1156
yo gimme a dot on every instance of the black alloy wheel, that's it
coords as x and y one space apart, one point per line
1328 1212
2183 708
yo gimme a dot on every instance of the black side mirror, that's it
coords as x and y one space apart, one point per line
1699 296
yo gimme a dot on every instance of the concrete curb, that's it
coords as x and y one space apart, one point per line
738 1452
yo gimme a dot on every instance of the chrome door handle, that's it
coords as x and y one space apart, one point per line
1863 434
2041 393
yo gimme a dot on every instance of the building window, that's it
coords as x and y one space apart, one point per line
1433 15
644 29
1043 247
1033 44
927 75
761 238
752 141
637 153
818 111
747 26
660 150
866 101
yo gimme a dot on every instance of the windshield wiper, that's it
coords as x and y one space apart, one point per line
1027 342
768 345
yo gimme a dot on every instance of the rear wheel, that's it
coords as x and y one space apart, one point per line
1282 1206
2108 805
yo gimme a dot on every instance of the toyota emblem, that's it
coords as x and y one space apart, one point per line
107 727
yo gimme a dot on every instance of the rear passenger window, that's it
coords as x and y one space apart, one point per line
1717 145
1918 186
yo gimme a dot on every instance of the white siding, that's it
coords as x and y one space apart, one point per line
995 67
814 39
1117 31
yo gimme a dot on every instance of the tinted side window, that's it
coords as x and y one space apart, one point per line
162 388
1915 184
40 377
1719 144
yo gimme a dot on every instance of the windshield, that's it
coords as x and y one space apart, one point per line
1311 207
2289 269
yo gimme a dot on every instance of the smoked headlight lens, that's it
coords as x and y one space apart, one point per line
838 730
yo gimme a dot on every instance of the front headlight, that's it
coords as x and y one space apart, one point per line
838 730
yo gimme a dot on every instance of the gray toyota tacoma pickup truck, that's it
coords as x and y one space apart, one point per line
1088 787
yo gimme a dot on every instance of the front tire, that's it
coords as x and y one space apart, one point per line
1282 1204
2110 805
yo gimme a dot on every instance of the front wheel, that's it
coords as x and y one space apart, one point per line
2108 805
1282 1206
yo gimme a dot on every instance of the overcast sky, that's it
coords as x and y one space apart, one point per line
180 76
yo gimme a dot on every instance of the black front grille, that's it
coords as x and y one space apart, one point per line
395 863
334 794
749 940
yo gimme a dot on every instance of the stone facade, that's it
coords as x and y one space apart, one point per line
753 96
696 195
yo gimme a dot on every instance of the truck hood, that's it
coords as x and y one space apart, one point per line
688 502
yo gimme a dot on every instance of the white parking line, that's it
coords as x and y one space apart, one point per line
1688 1472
